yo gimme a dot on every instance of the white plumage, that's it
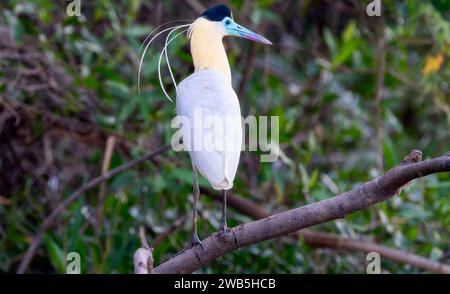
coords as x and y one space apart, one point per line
208 92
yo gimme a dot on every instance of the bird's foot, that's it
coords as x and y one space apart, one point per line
196 241
223 229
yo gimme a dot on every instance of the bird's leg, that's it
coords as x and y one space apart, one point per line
223 224
196 193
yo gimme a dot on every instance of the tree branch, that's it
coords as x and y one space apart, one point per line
143 257
333 241
368 194
320 239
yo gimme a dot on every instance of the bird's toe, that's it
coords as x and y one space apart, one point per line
223 229
196 241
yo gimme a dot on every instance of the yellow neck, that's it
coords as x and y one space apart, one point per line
207 48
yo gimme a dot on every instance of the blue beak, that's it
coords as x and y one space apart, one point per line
237 30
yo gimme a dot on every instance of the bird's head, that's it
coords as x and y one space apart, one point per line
219 18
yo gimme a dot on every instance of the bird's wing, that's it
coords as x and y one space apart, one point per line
215 145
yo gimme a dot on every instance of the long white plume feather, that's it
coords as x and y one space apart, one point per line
164 51
159 27
173 28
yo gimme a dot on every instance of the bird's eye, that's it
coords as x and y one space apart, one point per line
228 22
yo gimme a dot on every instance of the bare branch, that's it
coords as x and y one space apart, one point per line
320 239
109 150
143 260
366 195
143 237
178 223
381 69
333 241
143 257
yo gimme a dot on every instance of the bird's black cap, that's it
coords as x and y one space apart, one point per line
217 13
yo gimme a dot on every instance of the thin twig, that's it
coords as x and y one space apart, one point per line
109 149
178 223
143 237
404 80
381 60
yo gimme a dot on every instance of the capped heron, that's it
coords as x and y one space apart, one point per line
208 92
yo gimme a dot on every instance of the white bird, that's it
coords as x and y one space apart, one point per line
208 92
209 107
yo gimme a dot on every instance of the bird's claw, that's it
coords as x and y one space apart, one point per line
196 241
223 229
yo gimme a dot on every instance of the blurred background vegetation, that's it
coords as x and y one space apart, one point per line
68 85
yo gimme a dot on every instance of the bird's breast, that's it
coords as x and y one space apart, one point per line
212 127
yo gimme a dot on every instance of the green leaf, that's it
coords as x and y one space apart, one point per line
137 31
389 153
345 53
331 42
55 253
441 5
313 179
349 32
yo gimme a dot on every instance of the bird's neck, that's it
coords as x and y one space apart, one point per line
208 51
